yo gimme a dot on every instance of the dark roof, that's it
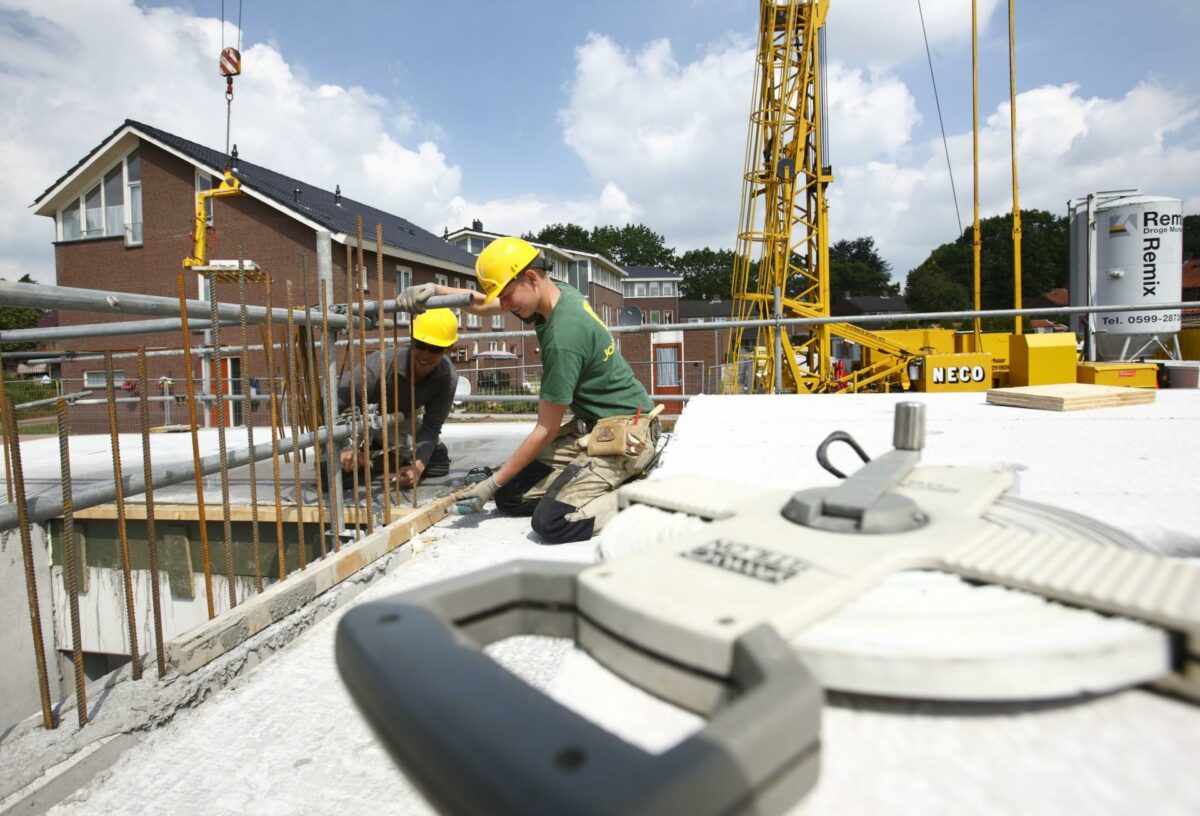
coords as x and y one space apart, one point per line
1191 274
875 304
315 203
650 272
705 308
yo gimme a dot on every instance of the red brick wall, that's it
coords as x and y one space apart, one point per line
270 238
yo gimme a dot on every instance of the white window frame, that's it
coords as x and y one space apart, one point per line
473 321
99 379
404 276
492 345
441 280
639 290
498 321
201 175
80 207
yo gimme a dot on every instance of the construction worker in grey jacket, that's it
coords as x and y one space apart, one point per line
434 381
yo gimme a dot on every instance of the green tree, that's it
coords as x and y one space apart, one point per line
705 273
19 317
1191 236
930 289
856 268
1044 257
630 245
567 236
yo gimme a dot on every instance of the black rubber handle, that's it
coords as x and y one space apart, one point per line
477 739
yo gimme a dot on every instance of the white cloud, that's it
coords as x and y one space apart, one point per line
74 70
884 35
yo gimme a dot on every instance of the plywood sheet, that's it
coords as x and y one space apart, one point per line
1070 396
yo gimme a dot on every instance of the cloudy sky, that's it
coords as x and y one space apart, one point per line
524 112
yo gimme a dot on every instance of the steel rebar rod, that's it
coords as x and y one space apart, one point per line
126 568
151 536
220 381
8 474
11 440
198 476
71 559
293 408
44 507
348 364
383 392
334 472
247 406
275 440
360 279
396 396
314 402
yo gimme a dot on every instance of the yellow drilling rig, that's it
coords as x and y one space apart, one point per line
781 260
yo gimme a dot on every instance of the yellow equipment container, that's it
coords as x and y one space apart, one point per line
995 343
1133 375
1042 359
955 372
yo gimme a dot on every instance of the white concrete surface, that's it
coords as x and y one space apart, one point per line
285 739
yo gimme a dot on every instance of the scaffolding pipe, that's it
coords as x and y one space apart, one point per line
114 329
69 298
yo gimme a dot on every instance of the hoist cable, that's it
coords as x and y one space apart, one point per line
938 102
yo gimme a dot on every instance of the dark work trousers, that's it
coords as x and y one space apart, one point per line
570 494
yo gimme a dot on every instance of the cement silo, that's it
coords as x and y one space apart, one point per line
1126 249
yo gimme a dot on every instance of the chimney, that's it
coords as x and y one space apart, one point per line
233 159
337 195
477 225
296 195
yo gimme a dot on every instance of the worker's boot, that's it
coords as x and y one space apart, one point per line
439 462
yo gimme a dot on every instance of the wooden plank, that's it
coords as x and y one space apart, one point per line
221 634
1070 396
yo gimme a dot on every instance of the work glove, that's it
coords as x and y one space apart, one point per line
413 298
471 499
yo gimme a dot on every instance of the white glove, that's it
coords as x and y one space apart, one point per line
472 499
413 298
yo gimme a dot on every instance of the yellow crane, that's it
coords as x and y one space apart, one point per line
781 261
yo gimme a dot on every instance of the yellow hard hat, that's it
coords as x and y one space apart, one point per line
437 327
500 262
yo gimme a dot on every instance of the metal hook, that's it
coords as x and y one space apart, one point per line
838 436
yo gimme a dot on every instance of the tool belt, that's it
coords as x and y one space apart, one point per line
626 434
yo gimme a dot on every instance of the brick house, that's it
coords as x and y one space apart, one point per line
123 219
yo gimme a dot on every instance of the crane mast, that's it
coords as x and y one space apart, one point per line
782 250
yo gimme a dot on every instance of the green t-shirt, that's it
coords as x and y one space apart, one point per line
581 366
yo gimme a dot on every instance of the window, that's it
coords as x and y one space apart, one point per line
667 316
96 379
93 213
114 201
653 290
206 182
403 281
639 290
491 345
695 320
668 289
133 178
70 221
655 316
472 318
101 212
666 360
458 283
498 321
441 280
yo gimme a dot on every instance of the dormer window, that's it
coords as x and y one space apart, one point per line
100 211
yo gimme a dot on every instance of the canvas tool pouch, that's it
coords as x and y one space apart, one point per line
616 435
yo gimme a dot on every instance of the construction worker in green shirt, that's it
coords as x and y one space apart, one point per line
564 474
